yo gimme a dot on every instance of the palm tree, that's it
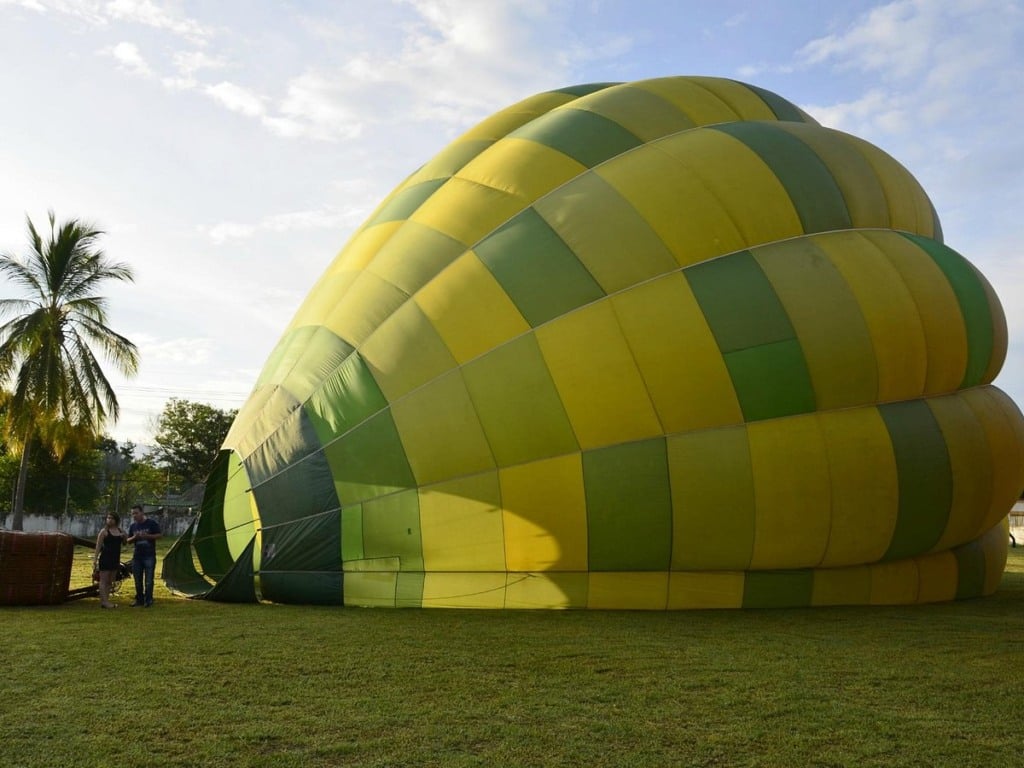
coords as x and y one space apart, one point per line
59 396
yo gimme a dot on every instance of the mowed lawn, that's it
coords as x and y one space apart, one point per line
190 683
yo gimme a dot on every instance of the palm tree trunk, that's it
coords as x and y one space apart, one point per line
17 518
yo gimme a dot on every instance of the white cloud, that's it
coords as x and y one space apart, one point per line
583 53
144 12
318 107
230 230
337 219
944 41
451 63
88 11
448 62
151 14
129 58
188 63
236 98
737 19
32 5
181 351
925 60
877 109
893 39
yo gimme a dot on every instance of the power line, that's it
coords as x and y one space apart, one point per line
168 392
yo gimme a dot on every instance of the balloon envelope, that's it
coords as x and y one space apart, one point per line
664 344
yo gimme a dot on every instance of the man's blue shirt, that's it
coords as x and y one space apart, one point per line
144 547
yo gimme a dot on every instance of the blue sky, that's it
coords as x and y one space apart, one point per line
229 149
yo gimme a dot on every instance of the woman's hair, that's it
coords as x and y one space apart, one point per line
117 517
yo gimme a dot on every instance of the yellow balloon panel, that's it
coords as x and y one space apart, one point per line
371 589
937 575
466 211
546 590
741 100
937 306
703 231
862 192
864 486
241 517
444 164
822 309
682 368
433 250
889 310
712 500
469 309
723 589
611 240
842 586
519 114
597 378
791 492
1002 423
895 583
405 352
545 515
442 408
243 434
696 101
522 168
464 590
971 470
518 405
319 306
735 176
642 113
999 332
361 249
994 547
368 303
910 209
628 590
461 525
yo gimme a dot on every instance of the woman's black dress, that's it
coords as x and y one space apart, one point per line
110 552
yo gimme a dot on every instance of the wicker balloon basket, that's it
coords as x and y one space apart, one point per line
35 568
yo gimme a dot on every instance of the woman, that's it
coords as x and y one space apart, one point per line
108 556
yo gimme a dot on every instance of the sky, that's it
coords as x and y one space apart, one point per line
228 150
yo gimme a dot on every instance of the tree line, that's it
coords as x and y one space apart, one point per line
56 401
112 476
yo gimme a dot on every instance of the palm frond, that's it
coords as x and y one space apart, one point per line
115 347
21 274
48 348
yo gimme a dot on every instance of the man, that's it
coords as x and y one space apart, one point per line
143 532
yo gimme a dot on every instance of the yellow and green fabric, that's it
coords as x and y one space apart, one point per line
665 344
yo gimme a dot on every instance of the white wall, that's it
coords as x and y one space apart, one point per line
87 526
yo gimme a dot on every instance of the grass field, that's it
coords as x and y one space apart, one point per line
190 683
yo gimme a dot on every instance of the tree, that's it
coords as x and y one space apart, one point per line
188 437
8 474
128 480
53 483
59 396
70 483
145 482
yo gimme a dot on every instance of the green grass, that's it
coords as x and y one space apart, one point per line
190 683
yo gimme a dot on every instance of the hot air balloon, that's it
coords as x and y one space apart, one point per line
664 344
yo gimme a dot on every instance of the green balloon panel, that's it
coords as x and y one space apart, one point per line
665 344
